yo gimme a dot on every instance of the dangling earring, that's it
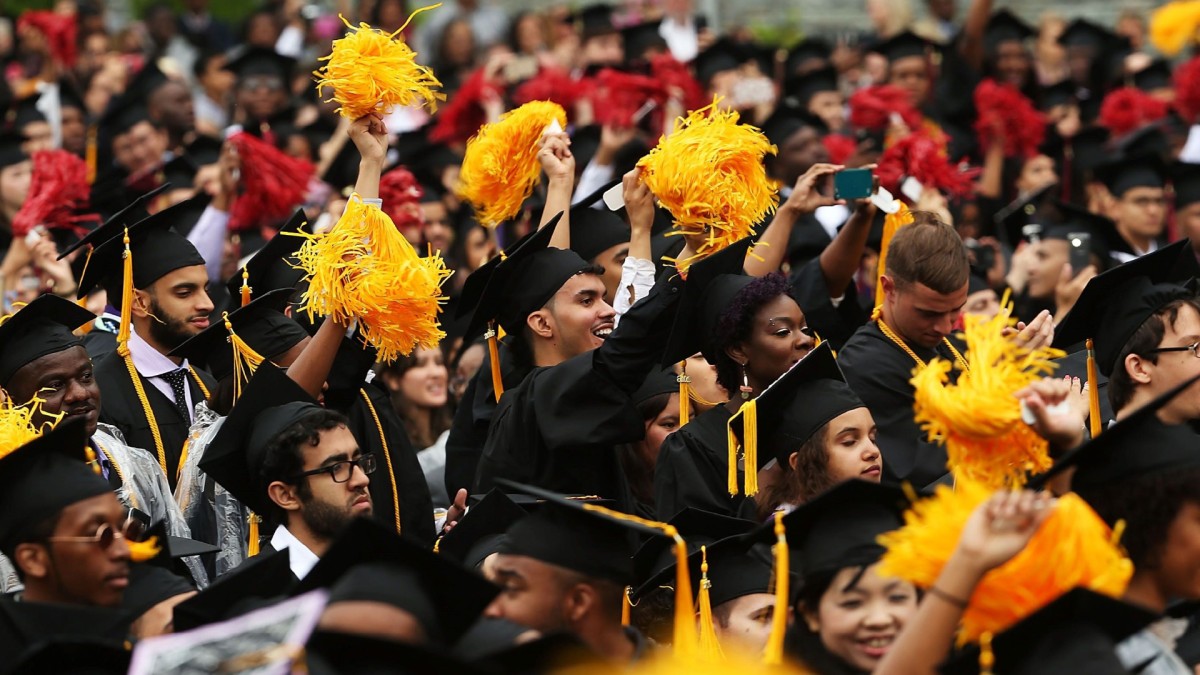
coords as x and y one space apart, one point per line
745 388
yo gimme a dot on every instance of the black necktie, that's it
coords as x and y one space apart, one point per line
178 380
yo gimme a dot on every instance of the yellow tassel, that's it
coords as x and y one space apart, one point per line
710 646
245 286
709 173
987 658
978 418
685 393
252 544
626 606
126 297
245 359
1073 547
891 223
500 167
1096 424
372 71
1173 26
749 447
779 616
17 426
494 360
92 460
141 551
90 153
364 268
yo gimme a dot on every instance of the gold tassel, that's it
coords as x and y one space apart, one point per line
626 606
685 393
141 551
773 655
92 460
749 414
1094 422
710 646
987 658
252 544
891 223
90 153
245 359
246 290
494 359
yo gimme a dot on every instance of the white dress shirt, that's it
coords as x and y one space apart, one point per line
153 364
300 558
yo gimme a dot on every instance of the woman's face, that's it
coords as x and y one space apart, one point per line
850 447
14 184
458 46
1012 63
664 424
478 248
1037 172
530 39
911 74
779 338
858 622
426 384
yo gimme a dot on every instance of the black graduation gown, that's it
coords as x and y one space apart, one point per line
807 241
23 624
558 428
692 470
120 407
811 292
879 371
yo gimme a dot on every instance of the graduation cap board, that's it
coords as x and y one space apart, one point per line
333 653
1127 173
155 580
258 582
10 149
736 568
43 327
258 62
1028 216
247 336
481 532
594 231
1004 26
787 120
1153 77
712 283
723 55
1185 178
274 266
801 89
641 38
1060 93
1084 33
905 45
1105 239
116 224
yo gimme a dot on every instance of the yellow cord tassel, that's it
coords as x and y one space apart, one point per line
364 268
749 414
246 290
494 360
141 551
1073 547
92 460
1173 26
245 359
685 393
709 173
90 153
252 544
891 223
987 658
710 646
626 606
371 71
773 655
17 426
1095 422
500 167
978 418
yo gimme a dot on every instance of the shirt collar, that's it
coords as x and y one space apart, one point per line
300 558
149 361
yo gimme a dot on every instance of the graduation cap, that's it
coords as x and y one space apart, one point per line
1028 216
787 120
125 115
1123 174
180 172
594 231
334 653
480 532
795 406
271 403
204 150
1084 33
641 38
369 562
904 45
259 61
156 580
44 476
736 568
256 583
1089 148
24 112
1077 632
69 96
1148 139
10 149
712 283
1061 93
1004 26
1157 75
808 55
657 382
1116 303
116 224
802 88
38 329
698 528
722 55
259 331
1186 180
594 20
274 266
1105 239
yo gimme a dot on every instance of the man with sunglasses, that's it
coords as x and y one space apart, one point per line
294 463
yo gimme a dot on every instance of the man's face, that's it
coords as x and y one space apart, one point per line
579 316
921 314
1141 211
799 152
828 105
83 573
1012 63
65 383
1048 259
327 506
533 593
261 95
437 230
911 73
181 304
1037 172
140 148
746 621
74 130
173 103
1175 368
604 50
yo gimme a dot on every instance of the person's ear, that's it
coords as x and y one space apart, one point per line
794 460
141 304
579 601
1138 369
33 560
811 620
889 287
541 323
737 352
285 496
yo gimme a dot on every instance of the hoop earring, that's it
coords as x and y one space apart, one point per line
745 388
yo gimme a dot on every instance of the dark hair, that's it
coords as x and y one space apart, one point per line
521 343
806 645
203 59
1148 505
928 252
1143 343
35 531
283 457
654 615
737 320
514 28
639 475
811 476
439 419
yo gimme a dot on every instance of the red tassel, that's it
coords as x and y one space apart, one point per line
923 157
871 108
273 184
1003 106
839 147
1128 108
462 117
1187 90
551 84
401 195
58 194
60 31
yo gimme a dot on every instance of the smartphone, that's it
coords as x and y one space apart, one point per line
853 184
521 68
748 92
1081 250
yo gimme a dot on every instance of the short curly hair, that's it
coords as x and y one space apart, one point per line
1148 505
737 320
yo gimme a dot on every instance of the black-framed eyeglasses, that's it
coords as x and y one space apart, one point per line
106 535
341 471
1194 348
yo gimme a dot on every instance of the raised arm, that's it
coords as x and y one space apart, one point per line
559 165
841 259
811 192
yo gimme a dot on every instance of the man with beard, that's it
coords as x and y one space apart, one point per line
296 463
148 395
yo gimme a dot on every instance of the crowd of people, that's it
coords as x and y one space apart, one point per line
913 391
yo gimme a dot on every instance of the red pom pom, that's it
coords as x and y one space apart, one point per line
401 195
58 194
1187 90
273 184
675 78
59 30
551 84
1128 108
1004 107
462 117
923 157
839 147
871 108
619 96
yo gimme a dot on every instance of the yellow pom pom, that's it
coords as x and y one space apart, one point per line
1073 547
364 268
500 166
141 551
708 172
17 426
978 418
1173 26
371 71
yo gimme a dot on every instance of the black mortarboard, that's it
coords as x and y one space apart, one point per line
157 245
594 231
260 581
274 266
10 149
1028 216
1089 148
787 120
1076 632
127 115
1116 303
334 653
204 150
1186 180
116 224
262 325
155 580
480 533
1084 33
69 96
253 61
698 528
722 55
370 562
1004 26
44 476
795 406
180 172
271 403
840 527
1125 173
575 535
1061 93
657 382
904 45
77 655
807 56
736 568
641 38
25 111
1157 75
42 327
712 283
1105 239
802 88
594 20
